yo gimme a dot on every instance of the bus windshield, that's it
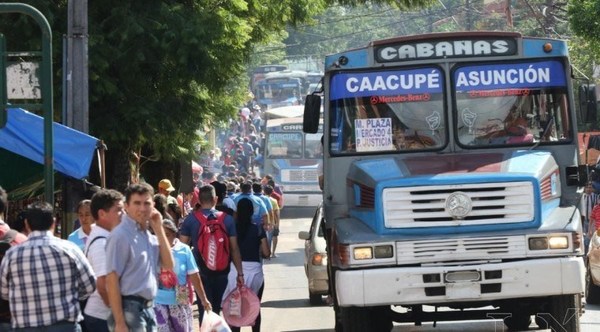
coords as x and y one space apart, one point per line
284 145
387 111
511 104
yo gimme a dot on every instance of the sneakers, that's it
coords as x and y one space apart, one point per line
274 256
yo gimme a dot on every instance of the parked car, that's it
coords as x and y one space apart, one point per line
315 258
592 291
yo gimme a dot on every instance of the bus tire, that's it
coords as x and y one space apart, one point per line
358 319
314 299
592 292
518 321
562 308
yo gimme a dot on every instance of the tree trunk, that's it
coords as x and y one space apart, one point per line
118 168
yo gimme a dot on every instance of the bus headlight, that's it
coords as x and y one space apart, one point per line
361 253
549 242
386 251
558 242
538 243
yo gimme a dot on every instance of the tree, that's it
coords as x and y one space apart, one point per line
161 69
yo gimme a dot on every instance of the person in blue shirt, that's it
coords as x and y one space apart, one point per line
172 305
81 234
260 215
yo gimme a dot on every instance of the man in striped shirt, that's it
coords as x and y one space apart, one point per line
45 277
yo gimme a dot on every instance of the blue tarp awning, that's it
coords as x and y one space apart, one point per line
24 135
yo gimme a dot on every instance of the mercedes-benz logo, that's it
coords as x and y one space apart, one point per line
458 205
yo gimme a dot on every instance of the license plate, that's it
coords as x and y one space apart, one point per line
463 290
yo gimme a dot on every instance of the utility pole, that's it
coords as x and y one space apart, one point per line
77 66
77 101
469 15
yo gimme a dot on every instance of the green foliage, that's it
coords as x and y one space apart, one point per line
583 17
159 70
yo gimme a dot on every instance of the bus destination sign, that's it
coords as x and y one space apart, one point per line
442 49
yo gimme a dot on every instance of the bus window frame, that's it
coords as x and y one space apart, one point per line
572 125
445 110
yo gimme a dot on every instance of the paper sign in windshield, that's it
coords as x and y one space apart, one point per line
373 134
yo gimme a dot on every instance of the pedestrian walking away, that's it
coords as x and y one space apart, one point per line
214 282
253 248
56 269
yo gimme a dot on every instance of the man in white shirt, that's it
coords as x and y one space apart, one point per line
106 208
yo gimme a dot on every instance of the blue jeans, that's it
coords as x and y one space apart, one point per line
58 327
137 317
94 324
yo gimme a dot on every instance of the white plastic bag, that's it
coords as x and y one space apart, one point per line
211 322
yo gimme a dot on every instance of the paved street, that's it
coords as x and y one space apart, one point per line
285 305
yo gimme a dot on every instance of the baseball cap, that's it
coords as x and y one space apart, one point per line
166 185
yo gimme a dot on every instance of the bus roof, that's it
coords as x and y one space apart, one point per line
286 121
286 112
294 111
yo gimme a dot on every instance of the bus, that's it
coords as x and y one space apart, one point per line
451 180
293 159
259 73
285 88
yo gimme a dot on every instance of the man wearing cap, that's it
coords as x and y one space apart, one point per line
166 188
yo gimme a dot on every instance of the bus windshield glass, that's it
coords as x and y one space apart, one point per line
312 149
284 145
511 104
387 111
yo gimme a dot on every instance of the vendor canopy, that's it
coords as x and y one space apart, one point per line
24 136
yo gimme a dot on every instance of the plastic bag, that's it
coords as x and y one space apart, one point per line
250 307
212 322
235 303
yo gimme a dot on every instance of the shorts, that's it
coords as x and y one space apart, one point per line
275 232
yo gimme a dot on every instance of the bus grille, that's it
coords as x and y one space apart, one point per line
425 206
462 249
299 175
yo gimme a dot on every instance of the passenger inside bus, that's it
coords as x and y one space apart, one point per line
513 120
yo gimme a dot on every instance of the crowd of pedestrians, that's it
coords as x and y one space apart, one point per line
136 262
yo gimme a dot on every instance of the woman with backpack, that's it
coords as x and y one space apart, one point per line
253 245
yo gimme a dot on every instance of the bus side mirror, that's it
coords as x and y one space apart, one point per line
577 175
312 114
587 102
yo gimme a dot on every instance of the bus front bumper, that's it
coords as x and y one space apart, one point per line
443 284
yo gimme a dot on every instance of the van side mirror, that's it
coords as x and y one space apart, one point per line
587 103
312 114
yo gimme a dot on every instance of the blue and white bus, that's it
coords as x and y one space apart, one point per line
451 181
293 158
